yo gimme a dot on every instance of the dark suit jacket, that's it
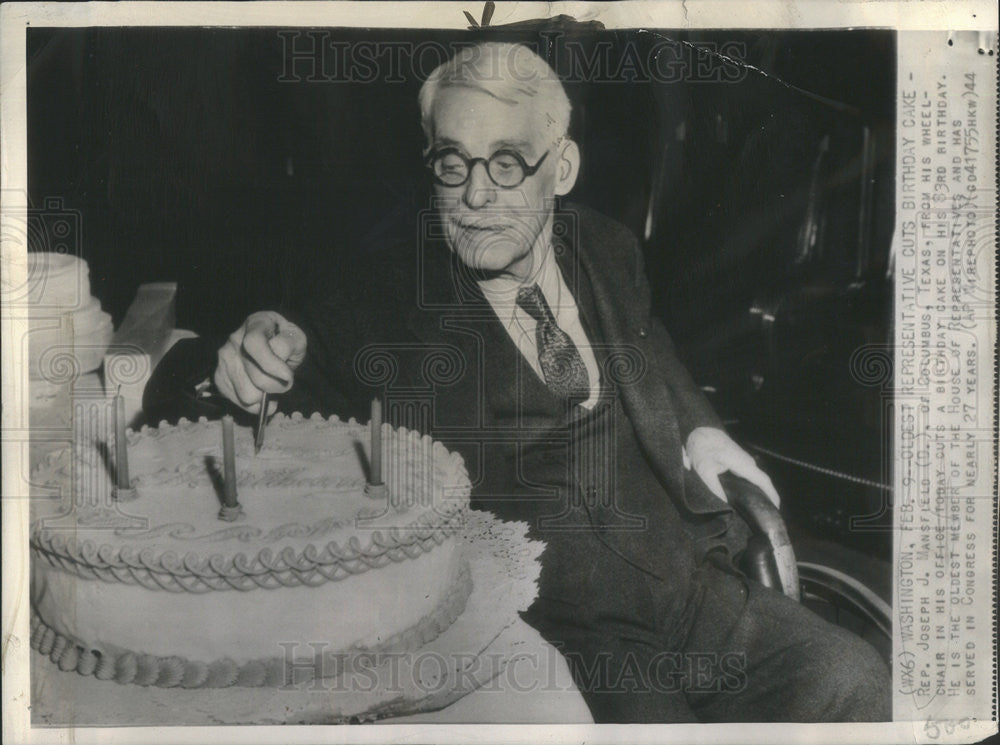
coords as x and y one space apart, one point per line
402 322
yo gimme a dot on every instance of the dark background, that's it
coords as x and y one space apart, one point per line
764 204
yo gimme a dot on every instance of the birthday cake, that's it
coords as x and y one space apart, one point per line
315 574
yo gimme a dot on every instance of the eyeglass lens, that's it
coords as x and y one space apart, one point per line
504 168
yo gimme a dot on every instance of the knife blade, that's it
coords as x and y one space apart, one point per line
258 440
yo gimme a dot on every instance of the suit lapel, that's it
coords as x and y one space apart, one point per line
620 318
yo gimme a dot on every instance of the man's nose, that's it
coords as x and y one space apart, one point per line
479 189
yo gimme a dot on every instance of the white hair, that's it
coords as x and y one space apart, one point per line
508 72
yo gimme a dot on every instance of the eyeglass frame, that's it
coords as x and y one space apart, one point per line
470 163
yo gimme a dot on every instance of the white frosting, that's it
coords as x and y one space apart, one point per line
57 279
306 486
157 575
243 626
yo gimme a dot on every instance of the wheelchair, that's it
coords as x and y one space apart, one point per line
835 595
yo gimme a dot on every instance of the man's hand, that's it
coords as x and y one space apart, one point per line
259 357
711 452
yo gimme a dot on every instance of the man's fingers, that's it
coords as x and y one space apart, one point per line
258 350
259 358
711 479
289 344
233 373
771 492
712 451
275 345
222 384
264 382
272 406
264 322
247 393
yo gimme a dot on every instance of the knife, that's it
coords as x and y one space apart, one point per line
258 440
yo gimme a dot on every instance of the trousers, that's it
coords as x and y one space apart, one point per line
738 652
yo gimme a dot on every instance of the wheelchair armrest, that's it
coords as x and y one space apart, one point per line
776 556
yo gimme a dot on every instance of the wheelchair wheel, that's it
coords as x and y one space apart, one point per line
846 602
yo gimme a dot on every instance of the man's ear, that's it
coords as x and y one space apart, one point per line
567 167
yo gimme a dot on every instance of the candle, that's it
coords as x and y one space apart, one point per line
376 456
122 480
228 463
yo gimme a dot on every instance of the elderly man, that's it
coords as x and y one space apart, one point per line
571 410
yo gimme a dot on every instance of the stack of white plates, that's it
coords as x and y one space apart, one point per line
69 331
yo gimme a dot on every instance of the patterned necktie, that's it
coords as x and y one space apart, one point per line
560 360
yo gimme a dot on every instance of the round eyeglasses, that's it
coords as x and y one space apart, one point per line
506 168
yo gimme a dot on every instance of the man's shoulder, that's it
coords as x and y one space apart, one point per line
607 245
595 229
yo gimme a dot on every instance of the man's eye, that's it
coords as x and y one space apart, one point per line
505 163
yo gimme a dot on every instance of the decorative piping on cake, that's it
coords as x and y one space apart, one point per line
242 533
268 570
168 672
312 567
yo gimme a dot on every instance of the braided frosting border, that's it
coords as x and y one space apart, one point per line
268 569
172 672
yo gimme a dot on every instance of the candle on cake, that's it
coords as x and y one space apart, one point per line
375 488
376 425
230 506
123 490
